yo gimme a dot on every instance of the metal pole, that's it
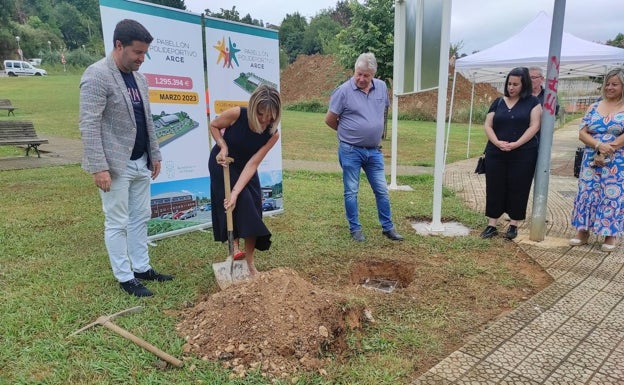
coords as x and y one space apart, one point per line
438 175
397 85
542 169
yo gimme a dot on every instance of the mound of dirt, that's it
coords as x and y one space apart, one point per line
277 323
311 77
281 324
314 77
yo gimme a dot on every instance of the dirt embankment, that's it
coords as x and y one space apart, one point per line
314 77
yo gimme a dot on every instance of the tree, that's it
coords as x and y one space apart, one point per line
234 15
225 14
178 4
75 34
320 36
251 21
342 14
7 9
291 35
618 41
454 48
371 30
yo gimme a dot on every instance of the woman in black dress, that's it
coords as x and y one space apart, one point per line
247 135
511 126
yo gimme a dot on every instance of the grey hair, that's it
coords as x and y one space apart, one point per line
366 61
538 69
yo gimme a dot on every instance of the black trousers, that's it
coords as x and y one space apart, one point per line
508 178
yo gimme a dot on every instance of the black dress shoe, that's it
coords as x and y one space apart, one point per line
152 275
357 236
512 232
489 232
136 288
392 235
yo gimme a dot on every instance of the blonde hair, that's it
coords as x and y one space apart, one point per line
265 100
619 72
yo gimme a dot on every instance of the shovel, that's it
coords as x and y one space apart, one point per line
229 271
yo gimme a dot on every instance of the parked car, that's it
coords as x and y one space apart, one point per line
178 215
268 204
190 213
22 68
166 216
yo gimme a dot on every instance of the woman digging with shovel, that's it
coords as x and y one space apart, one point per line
244 135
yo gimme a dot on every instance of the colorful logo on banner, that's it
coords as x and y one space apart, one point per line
227 53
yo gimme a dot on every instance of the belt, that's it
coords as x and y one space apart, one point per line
364 147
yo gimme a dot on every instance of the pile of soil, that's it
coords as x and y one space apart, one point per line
277 323
281 324
314 77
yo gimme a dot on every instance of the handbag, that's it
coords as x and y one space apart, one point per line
578 159
480 169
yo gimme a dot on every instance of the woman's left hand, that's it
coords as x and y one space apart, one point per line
230 203
508 146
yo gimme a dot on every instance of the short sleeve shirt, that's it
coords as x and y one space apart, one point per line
361 116
509 124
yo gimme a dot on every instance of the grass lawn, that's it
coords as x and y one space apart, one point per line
55 275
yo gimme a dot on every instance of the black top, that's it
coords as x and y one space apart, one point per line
541 95
509 124
140 143
247 216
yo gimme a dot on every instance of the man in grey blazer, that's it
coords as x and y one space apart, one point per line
121 152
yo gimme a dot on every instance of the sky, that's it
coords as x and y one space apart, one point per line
478 24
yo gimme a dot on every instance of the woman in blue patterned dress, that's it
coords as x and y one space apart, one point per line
599 204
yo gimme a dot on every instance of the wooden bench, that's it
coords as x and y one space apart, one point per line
5 104
20 133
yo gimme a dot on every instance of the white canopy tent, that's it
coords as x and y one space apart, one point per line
529 47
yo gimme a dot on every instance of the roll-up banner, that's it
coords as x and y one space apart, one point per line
174 68
240 57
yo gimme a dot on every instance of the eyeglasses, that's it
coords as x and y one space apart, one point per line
536 77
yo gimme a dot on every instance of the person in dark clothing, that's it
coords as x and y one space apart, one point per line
537 81
246 135
511 126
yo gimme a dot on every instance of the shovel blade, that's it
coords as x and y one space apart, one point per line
229 272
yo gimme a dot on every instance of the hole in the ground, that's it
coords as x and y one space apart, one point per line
383 276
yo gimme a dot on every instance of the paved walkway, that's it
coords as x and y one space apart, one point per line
570 333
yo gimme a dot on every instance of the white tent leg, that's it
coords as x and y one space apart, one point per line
470 119
448 126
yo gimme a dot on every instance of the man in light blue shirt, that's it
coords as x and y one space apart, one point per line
357 111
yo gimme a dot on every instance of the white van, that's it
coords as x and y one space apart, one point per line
22 68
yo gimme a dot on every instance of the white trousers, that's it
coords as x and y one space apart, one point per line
126 212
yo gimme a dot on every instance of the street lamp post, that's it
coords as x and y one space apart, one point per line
19 49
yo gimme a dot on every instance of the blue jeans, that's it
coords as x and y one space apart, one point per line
126 212
352 159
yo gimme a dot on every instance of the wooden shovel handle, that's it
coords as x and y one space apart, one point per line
228 194
144 344
228 212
